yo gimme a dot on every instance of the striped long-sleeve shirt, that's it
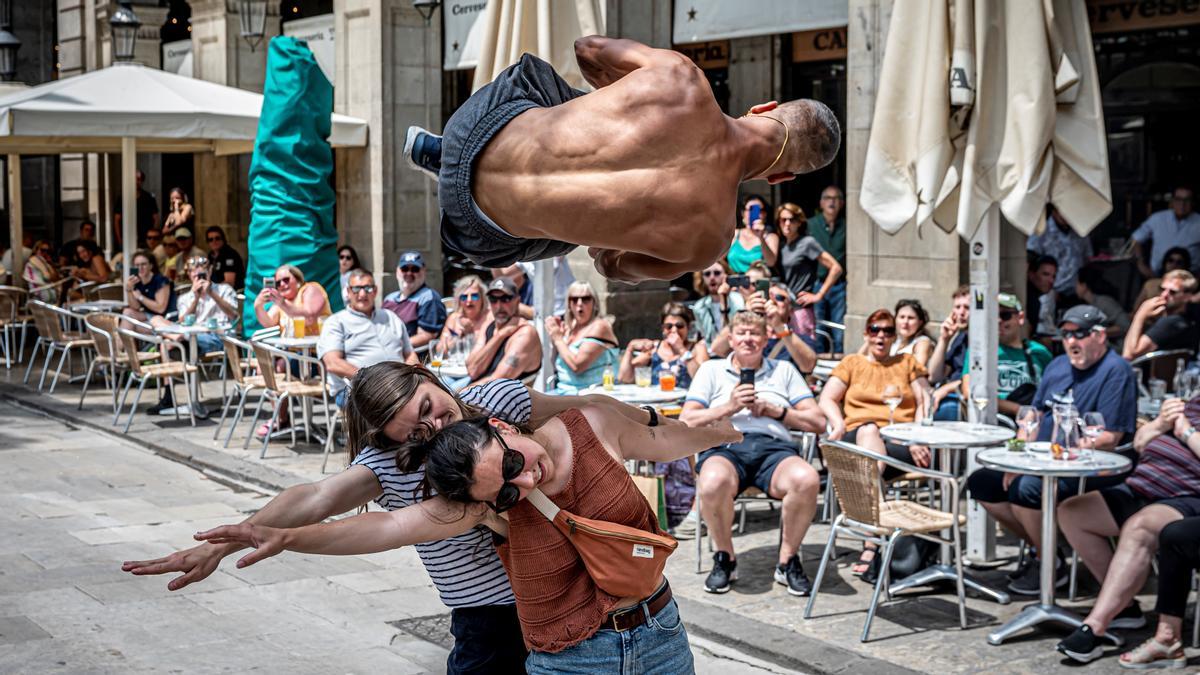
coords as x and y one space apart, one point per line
1167 467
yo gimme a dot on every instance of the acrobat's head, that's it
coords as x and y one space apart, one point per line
812 137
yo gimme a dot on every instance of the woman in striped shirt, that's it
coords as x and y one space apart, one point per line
391 403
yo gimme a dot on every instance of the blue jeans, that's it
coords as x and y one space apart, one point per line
208 342
833 308
658 646
948 409
486 640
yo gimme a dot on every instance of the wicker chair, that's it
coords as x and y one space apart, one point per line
279 389
110 358
243 383
144 372
109 292
49 320
867 517
13 317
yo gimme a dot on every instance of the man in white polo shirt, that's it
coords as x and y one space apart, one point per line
767 458
361 336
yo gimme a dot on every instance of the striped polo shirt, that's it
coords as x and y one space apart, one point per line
464 568
1166 467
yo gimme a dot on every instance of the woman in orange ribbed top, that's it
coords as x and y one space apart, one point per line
577 460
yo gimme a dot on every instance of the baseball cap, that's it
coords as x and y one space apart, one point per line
1010 301
411 258
1086 317
503 285
183 233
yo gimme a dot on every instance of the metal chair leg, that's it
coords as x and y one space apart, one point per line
87 379
187 387
958 582
61 360
237 416
884 566
124 395
825 557
32 358
271 425
224 413
330 430
50 347
257 411
133 408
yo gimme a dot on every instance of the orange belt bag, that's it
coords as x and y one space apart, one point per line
623 561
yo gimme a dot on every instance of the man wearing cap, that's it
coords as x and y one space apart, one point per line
418 306
1092 377
1172 328
512 349
361 336
187 251
1019 363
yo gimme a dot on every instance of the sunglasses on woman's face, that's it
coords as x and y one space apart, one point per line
712 273
875 329
469 297
779 297
668 325
585 299
510 467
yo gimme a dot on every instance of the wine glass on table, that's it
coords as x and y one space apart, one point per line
979 399
892 397
1093 426
1028 419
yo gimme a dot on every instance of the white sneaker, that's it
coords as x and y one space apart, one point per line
423 151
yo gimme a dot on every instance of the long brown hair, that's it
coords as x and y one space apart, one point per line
377 393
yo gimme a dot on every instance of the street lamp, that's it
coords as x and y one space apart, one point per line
426 8
252 15
125 25
9 44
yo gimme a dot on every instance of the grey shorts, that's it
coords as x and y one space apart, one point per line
466 229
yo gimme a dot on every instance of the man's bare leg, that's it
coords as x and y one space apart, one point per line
1130 565
1003 513
796 484
717 487
1030 522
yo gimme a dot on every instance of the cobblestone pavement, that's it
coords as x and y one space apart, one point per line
74 504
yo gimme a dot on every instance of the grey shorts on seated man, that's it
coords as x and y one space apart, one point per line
466 229
755 458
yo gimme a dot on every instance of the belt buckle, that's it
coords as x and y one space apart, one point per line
613 619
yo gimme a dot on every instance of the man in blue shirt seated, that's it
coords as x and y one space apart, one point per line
418 306
1094 378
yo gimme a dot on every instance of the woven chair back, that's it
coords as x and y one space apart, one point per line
130 344
233 356
44 320
10 304
109 292
103 329
856 481
266 366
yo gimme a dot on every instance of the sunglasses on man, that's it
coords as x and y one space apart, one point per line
213 238
496 297
368 288
510 467
712 273
1006 315
1078 333
409 269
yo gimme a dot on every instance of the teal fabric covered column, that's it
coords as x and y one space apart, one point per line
291 196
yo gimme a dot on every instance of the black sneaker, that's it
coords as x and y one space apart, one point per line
166 403
1030 560
1029 583
423 151
792 575
723 574
1085 646
1130 617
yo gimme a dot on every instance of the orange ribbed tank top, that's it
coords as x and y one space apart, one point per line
558 603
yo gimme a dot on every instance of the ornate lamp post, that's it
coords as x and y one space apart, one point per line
125 25
252 15
9 44
426 8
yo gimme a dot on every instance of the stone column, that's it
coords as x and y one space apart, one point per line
220 55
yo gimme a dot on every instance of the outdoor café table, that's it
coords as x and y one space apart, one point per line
945 438
451 371
1043 464
198 408
97 306
631 393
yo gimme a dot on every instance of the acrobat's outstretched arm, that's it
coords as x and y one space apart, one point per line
605 60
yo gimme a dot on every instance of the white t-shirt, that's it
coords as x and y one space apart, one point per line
207 307
777 382
363 340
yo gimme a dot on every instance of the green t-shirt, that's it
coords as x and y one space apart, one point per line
1012 368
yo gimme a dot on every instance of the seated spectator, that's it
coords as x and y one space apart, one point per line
1177 258
361 336
1019 362
150 293
40 272
519 274
167 254
156 244
1039 293
1163 488
69 253
418 306
767 457
584 341
753 241
6 260
1093 289
511 348
347 262
1093 378
1178 225
292 298
949 356
784 340
799 258
91 264
1178 560
1068 248
911 319
1172 327
187 251
717 305
207 299
224 261
674 352
471 317
855 395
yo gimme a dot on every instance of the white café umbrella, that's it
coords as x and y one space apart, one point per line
987 107
128 108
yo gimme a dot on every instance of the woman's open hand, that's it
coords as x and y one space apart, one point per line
266 541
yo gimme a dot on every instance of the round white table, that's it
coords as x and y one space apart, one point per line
97 306
303 344
198 408
454 371
944 438
1050 469
631 393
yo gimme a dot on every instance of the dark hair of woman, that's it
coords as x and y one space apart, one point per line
353 254
915 306
677 309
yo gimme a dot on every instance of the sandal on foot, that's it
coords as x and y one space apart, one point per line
864 562
1154 654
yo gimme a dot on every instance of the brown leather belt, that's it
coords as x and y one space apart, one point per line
632 617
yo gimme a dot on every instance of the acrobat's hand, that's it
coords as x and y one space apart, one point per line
266 541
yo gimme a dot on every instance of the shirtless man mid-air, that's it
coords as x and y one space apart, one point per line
644 170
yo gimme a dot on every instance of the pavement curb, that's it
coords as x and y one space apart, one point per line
777 645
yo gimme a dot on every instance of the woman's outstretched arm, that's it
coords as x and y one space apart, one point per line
661 443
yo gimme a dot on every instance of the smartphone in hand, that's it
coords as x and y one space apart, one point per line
746 376
762 286
738 281
755 213
269 282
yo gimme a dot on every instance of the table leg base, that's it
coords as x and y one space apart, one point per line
936 573
1031 616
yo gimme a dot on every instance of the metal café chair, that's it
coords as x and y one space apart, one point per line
279 389
243 384
170 371
13 317
866 516
109 292
110 359
1160 365
51 334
